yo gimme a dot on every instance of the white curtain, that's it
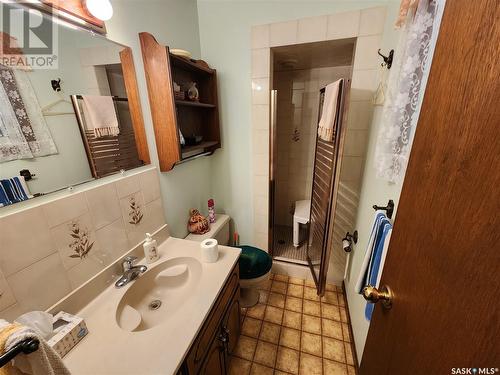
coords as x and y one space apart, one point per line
23 131
404 89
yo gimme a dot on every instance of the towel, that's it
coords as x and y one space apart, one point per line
13 190
44 361
100 115
376 251
326 127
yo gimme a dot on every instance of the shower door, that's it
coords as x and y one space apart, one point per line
326 174
273 151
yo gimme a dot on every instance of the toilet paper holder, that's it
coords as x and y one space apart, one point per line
348 240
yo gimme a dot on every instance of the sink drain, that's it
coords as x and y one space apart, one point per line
155 304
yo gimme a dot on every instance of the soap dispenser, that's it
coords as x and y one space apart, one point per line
150 251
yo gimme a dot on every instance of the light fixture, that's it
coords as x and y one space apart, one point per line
101 9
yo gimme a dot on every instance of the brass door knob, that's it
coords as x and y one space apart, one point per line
373 295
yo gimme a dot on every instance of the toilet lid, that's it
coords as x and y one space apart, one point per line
302 210
254 262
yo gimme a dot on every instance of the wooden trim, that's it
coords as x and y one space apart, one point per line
134 102
161 100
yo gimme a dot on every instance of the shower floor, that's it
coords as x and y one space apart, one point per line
283 248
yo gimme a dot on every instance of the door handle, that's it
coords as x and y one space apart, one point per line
373 295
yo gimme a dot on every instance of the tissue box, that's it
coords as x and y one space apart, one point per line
68 331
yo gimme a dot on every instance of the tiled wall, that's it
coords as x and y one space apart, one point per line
49 250
366 26
297 120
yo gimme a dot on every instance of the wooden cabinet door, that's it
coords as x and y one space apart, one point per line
231 323
214 363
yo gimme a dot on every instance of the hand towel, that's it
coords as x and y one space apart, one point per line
361 283
328 119
4 199
377 263
100 115
43 361
376 251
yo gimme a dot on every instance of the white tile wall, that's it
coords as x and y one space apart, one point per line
37 265
312 29
343 25
260 36
283 33
261 62
372 21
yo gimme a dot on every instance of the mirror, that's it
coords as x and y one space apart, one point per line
67 117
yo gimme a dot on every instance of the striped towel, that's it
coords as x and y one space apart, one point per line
13 190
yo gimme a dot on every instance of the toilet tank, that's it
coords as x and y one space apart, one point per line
218 230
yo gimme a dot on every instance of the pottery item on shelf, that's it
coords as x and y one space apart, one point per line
197 224
180 52
193 140
193 93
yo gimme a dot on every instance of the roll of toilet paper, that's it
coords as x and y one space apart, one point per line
209 250
346 245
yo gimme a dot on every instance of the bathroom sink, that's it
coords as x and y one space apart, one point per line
158 295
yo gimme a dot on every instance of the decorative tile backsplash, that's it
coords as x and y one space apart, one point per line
49 250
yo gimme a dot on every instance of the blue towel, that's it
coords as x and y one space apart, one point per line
4 199
12 191
375 262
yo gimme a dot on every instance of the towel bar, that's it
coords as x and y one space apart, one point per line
26 346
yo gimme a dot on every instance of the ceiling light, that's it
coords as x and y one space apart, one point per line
101 9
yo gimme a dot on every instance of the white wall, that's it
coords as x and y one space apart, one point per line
226 43
173 23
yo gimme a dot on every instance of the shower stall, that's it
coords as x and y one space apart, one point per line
305 170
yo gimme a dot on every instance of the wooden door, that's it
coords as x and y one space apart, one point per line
444 254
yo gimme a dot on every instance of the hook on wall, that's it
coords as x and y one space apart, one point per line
387 59
56 84
389 209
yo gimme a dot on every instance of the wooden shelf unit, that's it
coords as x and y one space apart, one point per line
170 115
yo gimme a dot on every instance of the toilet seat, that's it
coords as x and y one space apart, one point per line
255 268
301 216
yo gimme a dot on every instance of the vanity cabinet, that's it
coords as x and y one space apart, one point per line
175 116
217 338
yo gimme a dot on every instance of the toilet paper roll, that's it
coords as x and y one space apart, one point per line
209 250
346 245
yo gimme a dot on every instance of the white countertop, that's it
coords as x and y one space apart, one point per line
107 349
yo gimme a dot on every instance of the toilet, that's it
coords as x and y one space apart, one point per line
300 216
255 264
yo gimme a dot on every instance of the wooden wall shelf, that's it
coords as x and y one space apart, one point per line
170 115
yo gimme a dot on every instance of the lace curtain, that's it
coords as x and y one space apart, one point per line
23 131
400 114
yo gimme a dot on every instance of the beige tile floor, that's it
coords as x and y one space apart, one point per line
293 331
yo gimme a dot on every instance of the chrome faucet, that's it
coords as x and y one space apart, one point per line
130 272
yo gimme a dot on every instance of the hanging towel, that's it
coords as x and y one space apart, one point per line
43 361
328 119
13 190
377 263
100 115
4 199
375 254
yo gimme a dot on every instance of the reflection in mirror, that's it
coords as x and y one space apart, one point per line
66 124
